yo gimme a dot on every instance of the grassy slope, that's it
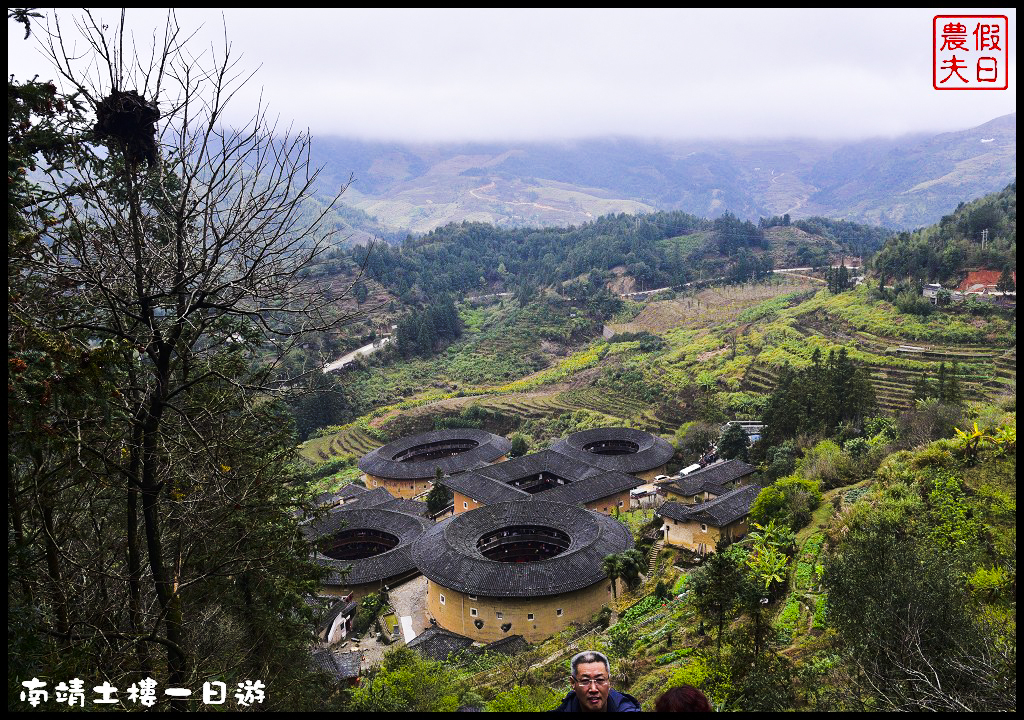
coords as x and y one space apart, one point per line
667 641
524 363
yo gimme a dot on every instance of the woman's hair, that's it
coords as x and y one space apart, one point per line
684 698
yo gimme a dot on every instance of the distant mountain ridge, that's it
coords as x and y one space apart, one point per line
898 183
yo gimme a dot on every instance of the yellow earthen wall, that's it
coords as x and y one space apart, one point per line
608 504
649 475
407 489
456 615
675 496
689 535
466 500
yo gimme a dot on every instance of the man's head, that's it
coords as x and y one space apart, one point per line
591 677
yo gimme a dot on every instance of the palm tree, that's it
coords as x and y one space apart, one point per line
630 565
612 567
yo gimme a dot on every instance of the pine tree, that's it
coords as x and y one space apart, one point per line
1005 283
439 496
734 443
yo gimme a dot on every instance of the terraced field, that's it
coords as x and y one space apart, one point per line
351 440
528 405
600 400
895 365
706 308
731 339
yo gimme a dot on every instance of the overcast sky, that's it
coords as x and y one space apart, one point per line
456 75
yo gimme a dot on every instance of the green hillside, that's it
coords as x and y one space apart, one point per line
978 234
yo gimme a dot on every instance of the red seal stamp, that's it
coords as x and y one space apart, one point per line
970 52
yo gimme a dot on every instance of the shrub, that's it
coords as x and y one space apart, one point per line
519 446
913 303
331 467
525 699
990 583
369 608
694 439
896 469
770 504
936 455
930 420
828 464
856 447
779 461
790 502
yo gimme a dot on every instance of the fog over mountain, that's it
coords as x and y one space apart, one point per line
902 182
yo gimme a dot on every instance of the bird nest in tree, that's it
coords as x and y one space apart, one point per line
126 120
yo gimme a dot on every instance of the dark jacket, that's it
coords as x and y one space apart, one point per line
617 702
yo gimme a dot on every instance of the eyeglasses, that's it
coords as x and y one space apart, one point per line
586 682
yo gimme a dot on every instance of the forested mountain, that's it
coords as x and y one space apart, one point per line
652 250
978 234
898 183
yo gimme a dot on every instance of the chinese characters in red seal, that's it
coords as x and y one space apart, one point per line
970 52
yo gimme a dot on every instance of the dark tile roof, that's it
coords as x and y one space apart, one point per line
345 494
325 609
351 490
543 461
368 499
437 643
511 645
339 607
689 486
323 660
652 451
586 482
381 462
592 488
675 511
327 498
448 554
719 512
341 666
409 507
349 663
372 569
484 489
721 473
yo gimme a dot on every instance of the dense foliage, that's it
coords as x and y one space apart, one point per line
466 257
943 252
817 399
151 479
419 332
933 640
855 238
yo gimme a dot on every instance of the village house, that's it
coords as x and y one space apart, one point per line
548 475
702 526
931 291
343 667
336 623
708 483
598 469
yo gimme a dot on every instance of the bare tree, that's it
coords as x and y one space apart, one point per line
178 254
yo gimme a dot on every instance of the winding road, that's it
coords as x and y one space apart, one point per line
491 185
